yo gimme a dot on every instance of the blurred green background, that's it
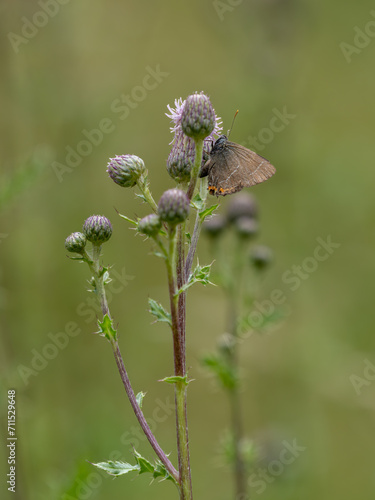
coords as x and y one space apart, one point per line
307 380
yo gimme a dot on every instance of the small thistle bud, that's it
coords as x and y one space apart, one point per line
97 229
214 226
246 227
149 225
125 170
75 242
261 257
242 204
198 116
173 206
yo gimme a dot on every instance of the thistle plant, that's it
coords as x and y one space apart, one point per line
170 229
238 271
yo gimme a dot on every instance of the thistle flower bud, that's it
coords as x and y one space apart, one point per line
246 227
261 257
214 226
198 116
181 158
125 170
97 229
173 206
149 225
75 242
242 204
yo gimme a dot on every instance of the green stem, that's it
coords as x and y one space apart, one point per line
178 331
98 274
144 189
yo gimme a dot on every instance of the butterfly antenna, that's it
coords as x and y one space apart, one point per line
230 130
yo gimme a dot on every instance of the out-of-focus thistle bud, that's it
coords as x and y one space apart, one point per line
125 170
214 226
97 229
261 257
149 225
75 242
173 206
198 117
240 205
246 227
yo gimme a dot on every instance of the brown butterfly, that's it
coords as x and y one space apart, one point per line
232 167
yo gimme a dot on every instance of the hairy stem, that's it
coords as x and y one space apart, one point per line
196 167
177 307
100 290
144 189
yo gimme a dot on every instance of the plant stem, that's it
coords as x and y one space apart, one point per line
197 228
196 167
139 414
178 331
144 189
100 290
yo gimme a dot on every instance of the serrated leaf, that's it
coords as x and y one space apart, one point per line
157 310
117 468
139 397
141 196
175 379
208 211
106 328
197 202
144 464
135 223
199 275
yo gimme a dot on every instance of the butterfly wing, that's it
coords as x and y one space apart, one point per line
234 167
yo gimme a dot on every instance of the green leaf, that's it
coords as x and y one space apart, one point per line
188 237
106 329
199 275
224 373
142 466
175 379
139 397
197 202
135 223
207 212
142 197
117 468
159 312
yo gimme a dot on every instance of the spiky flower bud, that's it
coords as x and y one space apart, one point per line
181 158
242 204
75 242
173 206
97 229
261 257
246 227
198 116
150 225
125 170
214 226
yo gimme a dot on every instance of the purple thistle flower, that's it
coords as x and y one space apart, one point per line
182 155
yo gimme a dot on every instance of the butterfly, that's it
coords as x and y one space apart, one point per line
231 167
